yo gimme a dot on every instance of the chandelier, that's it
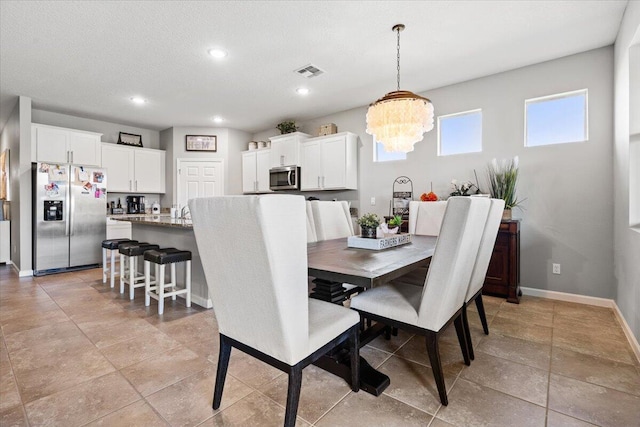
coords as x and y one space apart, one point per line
399 119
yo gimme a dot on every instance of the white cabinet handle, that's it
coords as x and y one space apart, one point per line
281 160
71 156
130 185
318 181
68 161
136 185
323 182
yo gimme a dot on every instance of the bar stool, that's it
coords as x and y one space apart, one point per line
130 252
111 245
162 257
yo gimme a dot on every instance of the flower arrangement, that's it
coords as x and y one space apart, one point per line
463 189
369 220
287 126
503 177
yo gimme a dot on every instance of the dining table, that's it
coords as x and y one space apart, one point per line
340 270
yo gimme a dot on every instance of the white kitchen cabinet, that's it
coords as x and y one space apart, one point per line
255 171
133 170
118 229
5 242
285 149
329 162
61 145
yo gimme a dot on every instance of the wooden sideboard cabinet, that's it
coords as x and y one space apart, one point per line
503 274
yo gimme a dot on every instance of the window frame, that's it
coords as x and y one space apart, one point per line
375 153
461 113
555 96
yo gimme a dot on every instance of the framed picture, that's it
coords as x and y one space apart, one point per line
202 143
130 139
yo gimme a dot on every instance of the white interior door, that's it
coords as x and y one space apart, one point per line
199 178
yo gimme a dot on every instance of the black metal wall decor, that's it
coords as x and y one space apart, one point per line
402 195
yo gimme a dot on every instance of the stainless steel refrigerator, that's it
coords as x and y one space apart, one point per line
69 217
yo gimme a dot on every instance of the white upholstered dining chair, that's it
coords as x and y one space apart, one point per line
256 272
311 224
332 219
428 310
425 218
474 293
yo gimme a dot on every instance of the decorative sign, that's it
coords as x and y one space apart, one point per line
130 139
378 244
202 143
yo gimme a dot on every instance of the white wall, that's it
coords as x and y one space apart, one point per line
230 143
109 131
627 239
16 136
568 211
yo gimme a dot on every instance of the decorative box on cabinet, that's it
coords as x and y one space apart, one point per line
61 145
255 171
503 274
134 170
285 149
329 162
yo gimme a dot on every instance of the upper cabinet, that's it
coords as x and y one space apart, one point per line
329 162
285 149
255 171
61 145
134 170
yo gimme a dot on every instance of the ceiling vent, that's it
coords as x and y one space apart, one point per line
309 71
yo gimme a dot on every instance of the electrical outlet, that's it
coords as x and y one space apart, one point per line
556 268
373 201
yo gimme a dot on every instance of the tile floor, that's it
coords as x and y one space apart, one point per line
74 352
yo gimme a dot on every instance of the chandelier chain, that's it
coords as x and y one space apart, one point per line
398 58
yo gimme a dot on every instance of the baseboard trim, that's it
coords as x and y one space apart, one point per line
202 302
583 299
21 273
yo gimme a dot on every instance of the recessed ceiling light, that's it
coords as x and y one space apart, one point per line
138 100
302 91
218 119
218 53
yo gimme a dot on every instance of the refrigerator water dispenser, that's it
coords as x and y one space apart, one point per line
53 210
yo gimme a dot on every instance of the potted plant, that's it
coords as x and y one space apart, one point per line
288 126
368 225
503 178
395 222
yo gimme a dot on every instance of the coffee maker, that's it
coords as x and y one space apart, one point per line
135 204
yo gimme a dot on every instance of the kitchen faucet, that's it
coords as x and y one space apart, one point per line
184 212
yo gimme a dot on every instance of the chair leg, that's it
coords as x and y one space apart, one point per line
467 332
173 280
104 265
355 358
122 273
133 270
112 269
221 374
293 395
483 317
436 365
462 338
160 285
188 282
147 283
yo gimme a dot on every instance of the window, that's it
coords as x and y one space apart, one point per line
556 119
460 133
381 155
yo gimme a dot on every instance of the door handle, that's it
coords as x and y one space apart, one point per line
130 185
289 178
68 157
318 181
136 185
72 156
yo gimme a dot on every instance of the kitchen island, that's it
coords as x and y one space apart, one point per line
168 232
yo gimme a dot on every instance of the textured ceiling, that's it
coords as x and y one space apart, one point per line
88 58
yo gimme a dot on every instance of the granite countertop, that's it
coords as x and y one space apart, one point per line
157 220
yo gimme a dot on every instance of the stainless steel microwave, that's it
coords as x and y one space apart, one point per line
284 178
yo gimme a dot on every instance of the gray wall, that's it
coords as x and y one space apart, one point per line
230 143
16 136
627 239
567 216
